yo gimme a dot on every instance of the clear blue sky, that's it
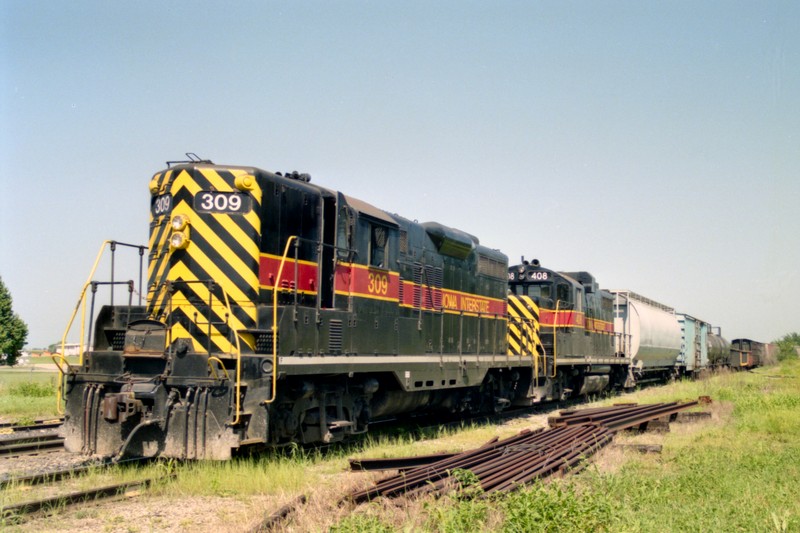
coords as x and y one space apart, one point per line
654 144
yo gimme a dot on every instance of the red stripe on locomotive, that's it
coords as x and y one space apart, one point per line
359 280
306 273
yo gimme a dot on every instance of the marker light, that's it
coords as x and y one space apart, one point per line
178 240
179 222
245 183
154 186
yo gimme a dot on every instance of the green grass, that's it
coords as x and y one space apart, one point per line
740 473
26 395
272 474
295 469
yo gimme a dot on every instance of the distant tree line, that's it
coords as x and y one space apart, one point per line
788 346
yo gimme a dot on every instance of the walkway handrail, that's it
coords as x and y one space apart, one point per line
81 302
555 341
535 355
275 289
238 360
60 361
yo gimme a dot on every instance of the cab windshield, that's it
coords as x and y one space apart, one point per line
541 293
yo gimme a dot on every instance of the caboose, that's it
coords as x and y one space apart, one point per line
747 354
280 311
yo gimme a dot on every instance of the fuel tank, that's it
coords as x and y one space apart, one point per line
648 331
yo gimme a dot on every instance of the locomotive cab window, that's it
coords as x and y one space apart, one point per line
564 295
344 234
377 245
540 293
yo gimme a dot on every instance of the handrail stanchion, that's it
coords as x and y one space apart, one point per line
62 359
555 340
275 320
238 361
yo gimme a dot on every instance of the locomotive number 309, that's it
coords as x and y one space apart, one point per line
378 284
161 205
221 202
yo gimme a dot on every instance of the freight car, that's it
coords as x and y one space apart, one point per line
694 345
279 311
719 349
649 333
747 354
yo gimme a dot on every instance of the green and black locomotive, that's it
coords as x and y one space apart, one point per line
280 311
575 342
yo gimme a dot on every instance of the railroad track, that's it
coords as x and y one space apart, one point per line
7 428
421 425
44 477
77 497
31 444
68 498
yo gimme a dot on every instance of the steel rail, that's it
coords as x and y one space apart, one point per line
618 415
599 415
44 423
73 498
53 476
44 477
398 463
622 423
280 515
507 464
27 445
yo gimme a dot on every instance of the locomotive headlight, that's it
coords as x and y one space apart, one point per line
179 240
179 222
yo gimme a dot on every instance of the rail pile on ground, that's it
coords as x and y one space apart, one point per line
500 466
619 417
505 465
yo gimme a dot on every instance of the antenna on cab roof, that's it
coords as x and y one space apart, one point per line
191 158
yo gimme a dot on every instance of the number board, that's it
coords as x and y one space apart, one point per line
161 205
538 275
222 202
